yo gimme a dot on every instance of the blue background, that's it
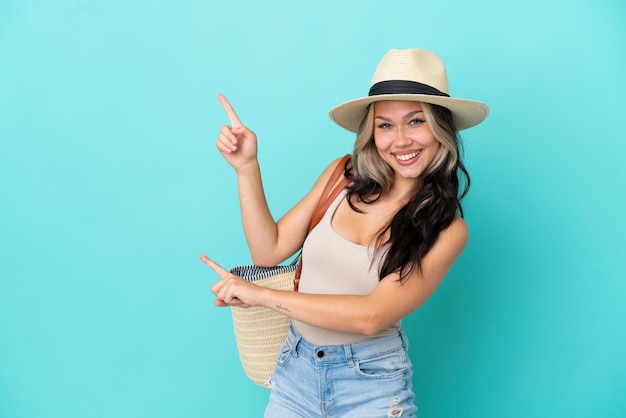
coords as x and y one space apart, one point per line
111 186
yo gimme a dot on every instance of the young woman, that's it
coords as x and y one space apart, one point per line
383 247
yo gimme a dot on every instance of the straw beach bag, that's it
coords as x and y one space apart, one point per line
260 331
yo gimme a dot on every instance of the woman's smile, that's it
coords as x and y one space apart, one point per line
407 158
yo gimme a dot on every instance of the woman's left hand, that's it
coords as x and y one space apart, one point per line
231 290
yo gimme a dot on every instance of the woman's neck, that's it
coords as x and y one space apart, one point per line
402 190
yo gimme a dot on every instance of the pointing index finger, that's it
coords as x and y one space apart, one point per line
230 112
221 271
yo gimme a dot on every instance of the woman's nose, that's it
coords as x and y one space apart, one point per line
403 138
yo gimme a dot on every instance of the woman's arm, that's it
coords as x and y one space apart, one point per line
389 302
269 242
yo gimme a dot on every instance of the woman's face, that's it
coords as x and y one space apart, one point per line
403 137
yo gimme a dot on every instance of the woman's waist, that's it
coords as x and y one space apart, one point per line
365 348
325 337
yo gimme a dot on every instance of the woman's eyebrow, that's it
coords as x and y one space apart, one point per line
411 114
408 115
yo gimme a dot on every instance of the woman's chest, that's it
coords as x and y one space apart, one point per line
362 228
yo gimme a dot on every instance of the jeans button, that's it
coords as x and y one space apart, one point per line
320 354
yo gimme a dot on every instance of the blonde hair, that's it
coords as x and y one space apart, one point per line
445 133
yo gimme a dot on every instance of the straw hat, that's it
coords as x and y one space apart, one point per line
415 75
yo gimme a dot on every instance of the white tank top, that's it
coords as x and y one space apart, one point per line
334 265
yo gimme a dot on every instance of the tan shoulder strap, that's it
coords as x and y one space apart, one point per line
336 183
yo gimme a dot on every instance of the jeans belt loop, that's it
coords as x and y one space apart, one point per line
347 348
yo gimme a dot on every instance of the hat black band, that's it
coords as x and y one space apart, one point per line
404 87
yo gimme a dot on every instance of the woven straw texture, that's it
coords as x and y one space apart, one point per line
260 331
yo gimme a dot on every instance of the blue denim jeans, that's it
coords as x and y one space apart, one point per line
372 378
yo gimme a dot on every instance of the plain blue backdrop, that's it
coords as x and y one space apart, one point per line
111 186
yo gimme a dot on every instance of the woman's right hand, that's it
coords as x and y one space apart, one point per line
236 142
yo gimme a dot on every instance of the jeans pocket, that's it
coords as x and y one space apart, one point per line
385 366
284 354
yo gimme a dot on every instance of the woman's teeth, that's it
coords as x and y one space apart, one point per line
407 157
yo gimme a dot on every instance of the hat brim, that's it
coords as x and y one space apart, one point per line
465 113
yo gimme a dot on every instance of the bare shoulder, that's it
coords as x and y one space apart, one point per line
456 235
309 202
331 167
458 226
323 178
292 226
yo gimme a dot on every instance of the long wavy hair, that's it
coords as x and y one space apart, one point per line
413 230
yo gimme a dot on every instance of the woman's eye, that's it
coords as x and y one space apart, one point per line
416 121
384 126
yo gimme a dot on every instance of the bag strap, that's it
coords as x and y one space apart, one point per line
336 183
